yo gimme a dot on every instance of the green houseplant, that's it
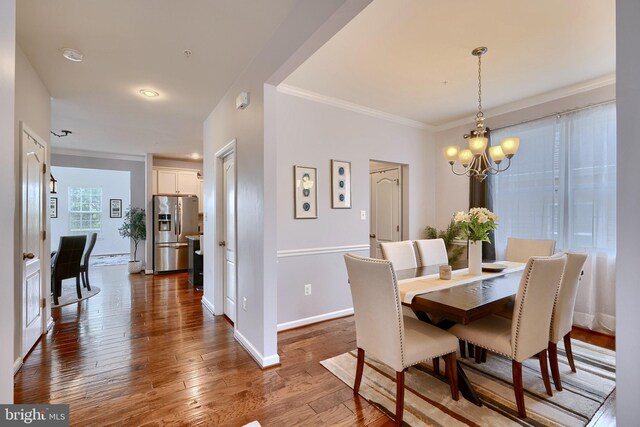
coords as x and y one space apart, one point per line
134 227
451 233
476 224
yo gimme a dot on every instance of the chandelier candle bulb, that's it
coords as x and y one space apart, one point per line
510 146
465 157
478 145
451 153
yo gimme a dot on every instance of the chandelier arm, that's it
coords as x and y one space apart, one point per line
465 172
496 170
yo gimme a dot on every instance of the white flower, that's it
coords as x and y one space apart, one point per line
461 217
482 217
492 216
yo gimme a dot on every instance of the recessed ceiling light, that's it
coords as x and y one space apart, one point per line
72 54
195 156
149 93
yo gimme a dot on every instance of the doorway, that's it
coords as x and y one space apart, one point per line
386 205
226 228
33 220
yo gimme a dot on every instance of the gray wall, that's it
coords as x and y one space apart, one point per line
33 109
136 168
628 206
453 191
9 179
311 134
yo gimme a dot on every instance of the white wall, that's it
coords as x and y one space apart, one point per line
114 185
308 26
182 164
453 191
311 134
628 206
8 178
33 108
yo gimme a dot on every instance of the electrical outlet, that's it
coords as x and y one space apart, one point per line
244 303
307 289
363 215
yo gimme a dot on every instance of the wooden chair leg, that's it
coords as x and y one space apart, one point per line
483 356
545 371
452 375
78 288
567 348
463 349
470 349
55 293
399 397
552 348
478 355
86 275
516 368
359 369
436 365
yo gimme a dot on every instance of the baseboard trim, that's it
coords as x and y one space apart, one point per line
314 319
324 250
263 362
148 272
208 305
17 364
50 324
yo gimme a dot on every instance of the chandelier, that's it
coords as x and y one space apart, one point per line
474 160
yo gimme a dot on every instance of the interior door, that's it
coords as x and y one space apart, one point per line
33 174
386 208
229 182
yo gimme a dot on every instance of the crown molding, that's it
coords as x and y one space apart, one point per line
97 154
350 106
532 101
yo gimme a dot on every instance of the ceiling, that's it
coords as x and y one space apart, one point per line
394 56
130 45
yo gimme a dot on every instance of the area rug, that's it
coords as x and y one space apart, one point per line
69 295
428 398
102 260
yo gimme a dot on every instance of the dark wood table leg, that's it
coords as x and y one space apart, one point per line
464 385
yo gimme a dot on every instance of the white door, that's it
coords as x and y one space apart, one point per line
229 183
386 208
32 233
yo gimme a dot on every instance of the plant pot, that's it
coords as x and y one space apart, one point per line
475 257
134 267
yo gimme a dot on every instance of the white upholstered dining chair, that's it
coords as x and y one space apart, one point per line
401 254
383 333
431 252
528 333
520 250
562 317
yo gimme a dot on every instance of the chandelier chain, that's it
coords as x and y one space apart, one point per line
480 114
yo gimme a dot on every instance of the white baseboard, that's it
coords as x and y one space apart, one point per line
17 365
314 319
148 271
263 362
208 305
50 324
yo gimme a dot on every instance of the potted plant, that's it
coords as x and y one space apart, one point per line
134 227
449 236
476 225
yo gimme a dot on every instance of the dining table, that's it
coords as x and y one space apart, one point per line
461 299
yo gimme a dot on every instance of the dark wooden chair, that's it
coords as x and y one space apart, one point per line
84 265
66 264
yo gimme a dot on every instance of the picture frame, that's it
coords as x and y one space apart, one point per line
340 184
305 192
53 207
115 208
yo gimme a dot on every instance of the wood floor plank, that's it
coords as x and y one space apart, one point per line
144 351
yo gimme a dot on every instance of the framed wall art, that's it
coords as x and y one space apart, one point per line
305 192
115 208
53 207
340 184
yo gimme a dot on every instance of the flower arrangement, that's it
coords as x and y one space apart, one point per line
477 223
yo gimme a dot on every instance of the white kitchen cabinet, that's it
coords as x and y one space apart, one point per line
167 181
188 182
200 195
178 181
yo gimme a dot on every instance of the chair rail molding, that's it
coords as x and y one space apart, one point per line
322 250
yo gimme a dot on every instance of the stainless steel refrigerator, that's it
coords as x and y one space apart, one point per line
174 218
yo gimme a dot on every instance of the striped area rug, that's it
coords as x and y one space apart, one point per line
428 398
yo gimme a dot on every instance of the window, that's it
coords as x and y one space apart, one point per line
85 209
562 183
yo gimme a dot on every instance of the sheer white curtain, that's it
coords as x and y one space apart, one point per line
562 186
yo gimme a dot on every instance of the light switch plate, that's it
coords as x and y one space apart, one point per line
363 215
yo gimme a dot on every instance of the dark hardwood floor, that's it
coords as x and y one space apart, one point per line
145 352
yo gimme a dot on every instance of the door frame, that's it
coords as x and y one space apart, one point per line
45 261
219 205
